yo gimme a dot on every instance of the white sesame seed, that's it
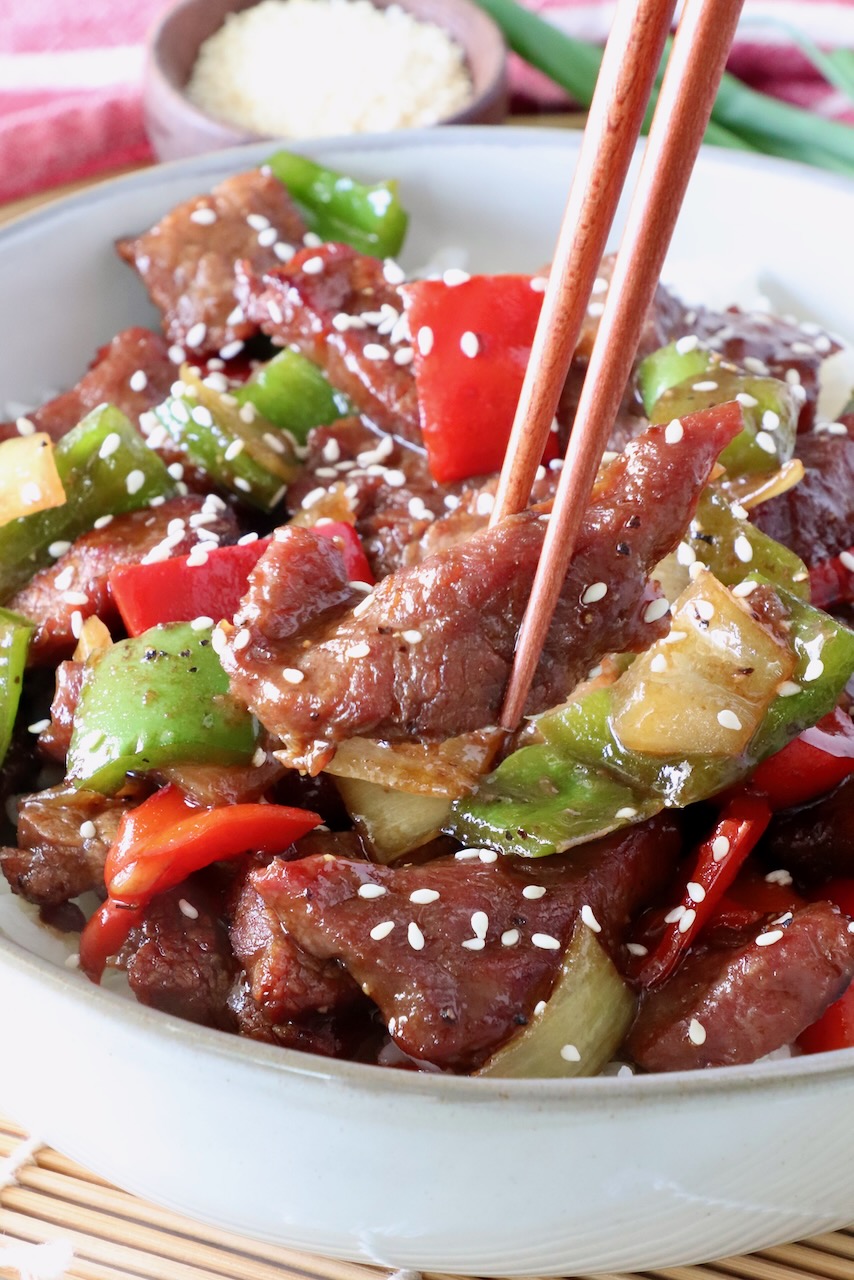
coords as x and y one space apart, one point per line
268 237
57 549
626 812
696 1032
376 351
545 942
382 930
243 485
744 588
231 349
197 557
313 266
656 609
424 340
412 636
770 420
539 1008
675 914
569 1053
76 624
588 918
360 649
393 272
24 427
687 344
539 284
595 310
780 876
372 890
242 639
75 597
469 344
754 365
720 847
474 944
30 493
88 830
484 504
728 720
708 385
686 920
748 401
510 937
196 335
704 610
743 549
658 664
311 239
815 668
134 481
596 591
769 938
38 726
415 937
177 354
259 757
102 522
637 949
138 380
454 276
533 891
765 442
696 892
479 924
203 216
846 559
423 896
234 450
257 221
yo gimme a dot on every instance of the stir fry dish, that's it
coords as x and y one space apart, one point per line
256 629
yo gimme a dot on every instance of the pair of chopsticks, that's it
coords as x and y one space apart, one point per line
702 42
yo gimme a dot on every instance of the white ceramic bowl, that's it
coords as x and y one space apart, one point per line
445 1174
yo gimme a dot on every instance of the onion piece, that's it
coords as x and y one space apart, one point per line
29 480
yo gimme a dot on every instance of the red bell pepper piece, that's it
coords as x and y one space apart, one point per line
349 543
105 933
472 342
810 765
832 580
835 1027
719 858
168 837
176 590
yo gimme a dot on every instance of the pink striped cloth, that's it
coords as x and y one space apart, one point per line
70 76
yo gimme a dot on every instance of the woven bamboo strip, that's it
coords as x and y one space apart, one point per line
124 1258
816 1261
755 1267
47 1158
839 1242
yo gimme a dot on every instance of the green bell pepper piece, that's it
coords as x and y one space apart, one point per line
240 450
338 208
731 547
158 699
106 468
674 384
579 782
292 393
15 633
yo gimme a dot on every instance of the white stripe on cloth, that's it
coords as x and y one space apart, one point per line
73 69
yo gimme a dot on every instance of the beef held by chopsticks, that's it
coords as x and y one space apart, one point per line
427 654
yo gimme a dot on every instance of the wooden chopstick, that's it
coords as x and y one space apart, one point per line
629 65
697 60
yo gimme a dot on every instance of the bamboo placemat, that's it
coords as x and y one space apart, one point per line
85 1229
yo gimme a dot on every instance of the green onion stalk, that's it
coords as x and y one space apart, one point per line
742 118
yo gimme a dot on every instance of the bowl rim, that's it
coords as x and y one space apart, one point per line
818 1070
493 91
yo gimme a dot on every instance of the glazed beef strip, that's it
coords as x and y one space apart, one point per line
187 260
747 999
815 518
814 841
133 372
55 860
78 582
340 310
179 959
446 1002
428 654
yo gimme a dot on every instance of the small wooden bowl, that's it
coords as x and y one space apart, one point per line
177 128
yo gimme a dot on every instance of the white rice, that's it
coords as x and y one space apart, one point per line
313 68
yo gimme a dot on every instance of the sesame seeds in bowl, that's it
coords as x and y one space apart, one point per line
224 72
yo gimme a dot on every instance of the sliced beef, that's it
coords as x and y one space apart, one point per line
211 784
456 974
815 518
339 309
59 854
746 1000
187 261
428 654
767 344
179 959
317 1033
132 353
285 982
77 583
55 740
814 841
